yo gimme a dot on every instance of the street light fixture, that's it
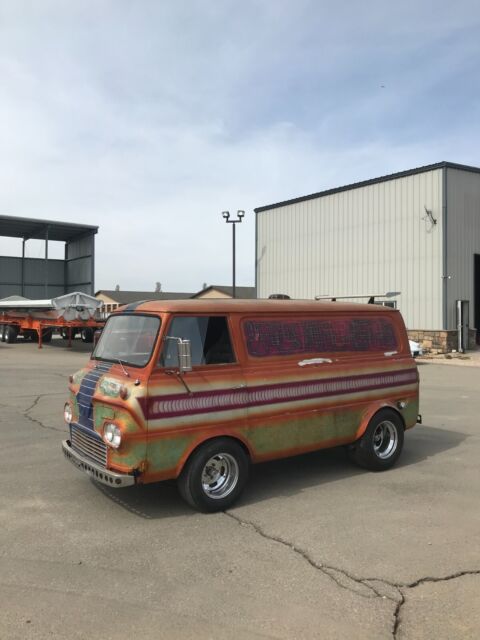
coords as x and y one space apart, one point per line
233 222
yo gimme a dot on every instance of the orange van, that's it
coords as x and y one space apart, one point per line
197 390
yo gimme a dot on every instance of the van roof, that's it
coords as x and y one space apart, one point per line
228 305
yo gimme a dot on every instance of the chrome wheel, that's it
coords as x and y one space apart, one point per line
385 439
220 476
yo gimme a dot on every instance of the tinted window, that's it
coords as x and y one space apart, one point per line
209 338
297 336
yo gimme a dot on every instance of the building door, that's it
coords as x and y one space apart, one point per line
476 294
463 314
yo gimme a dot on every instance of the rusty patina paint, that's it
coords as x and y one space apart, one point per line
274 406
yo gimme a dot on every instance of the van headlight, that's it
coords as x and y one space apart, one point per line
112 435
67 413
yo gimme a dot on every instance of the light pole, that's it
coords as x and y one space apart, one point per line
226 216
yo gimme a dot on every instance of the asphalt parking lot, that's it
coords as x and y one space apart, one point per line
316 548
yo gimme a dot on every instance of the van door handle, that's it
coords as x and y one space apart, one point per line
310 361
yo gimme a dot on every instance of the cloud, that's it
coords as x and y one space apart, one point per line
150 118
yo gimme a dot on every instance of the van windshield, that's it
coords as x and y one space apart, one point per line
129 339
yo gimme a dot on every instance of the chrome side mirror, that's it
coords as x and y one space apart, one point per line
184 352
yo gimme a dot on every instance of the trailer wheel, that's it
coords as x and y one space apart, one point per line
214 476
47 335
11 334
87 335
64 332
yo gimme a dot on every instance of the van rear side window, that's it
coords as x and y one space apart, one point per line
315 335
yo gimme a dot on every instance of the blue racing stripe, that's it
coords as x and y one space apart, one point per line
86 391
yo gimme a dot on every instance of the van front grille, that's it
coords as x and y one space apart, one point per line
89 445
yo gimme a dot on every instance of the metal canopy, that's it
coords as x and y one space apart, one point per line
32 228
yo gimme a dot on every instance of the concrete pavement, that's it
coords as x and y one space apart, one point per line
316 548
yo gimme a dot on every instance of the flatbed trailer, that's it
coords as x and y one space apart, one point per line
41 331
38 319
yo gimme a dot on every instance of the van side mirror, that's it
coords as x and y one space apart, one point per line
184 352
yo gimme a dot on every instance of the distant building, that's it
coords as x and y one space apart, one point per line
220 291
114 299
416 232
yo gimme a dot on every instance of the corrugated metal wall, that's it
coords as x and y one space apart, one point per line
80 254
463 239
76 273
371 239
34 278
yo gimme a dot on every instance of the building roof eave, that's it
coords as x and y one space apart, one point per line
366 183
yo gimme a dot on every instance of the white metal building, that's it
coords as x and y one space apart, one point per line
416 232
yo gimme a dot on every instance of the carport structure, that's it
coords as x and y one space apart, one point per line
46 277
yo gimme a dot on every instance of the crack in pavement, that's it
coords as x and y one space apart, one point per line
41 395
367 590
336 574
421 581
26 413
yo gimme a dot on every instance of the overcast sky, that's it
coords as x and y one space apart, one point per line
149 118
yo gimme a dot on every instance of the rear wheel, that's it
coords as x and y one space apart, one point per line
214 476
381 444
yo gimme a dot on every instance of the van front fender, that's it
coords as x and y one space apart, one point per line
199 442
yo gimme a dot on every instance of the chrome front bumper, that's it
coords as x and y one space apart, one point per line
98 473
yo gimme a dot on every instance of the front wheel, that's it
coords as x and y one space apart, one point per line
381 444
214 475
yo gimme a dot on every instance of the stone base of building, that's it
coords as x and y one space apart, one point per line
440 341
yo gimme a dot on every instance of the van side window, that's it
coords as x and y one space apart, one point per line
329 335
209 338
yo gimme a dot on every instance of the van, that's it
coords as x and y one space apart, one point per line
197 390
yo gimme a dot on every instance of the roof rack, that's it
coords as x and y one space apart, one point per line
371 296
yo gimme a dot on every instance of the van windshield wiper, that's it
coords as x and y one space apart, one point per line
123 368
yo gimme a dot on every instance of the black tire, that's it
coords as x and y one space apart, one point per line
2 332
228 465
64 333
10 334
381 444
87 335
47 335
